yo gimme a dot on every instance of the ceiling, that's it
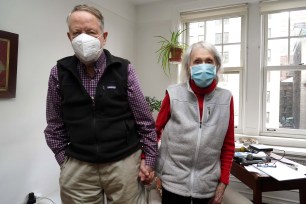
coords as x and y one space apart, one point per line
142 2
139 2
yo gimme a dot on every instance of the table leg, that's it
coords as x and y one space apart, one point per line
302 195
257 195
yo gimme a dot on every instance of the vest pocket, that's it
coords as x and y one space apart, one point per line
208 182
211 115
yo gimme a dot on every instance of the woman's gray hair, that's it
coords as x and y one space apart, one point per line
90 9
185 75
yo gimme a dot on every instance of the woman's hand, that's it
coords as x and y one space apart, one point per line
146 173
217 199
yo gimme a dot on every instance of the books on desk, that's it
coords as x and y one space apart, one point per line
248 158
281 172
260 148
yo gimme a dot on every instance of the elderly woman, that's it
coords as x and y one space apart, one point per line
196 128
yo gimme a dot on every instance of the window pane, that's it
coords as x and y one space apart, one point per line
218 38
233 52
196 32
225 57
278 53
232 30
225 37
231 82
298 51
287 104
278 24
298 23
225 33
214 27
219 49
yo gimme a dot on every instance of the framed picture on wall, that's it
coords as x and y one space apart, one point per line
8 64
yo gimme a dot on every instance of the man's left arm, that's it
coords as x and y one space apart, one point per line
144 121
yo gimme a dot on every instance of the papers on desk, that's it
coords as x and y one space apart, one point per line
281 172
252 168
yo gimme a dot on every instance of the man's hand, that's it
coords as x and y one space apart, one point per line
146 173
217 199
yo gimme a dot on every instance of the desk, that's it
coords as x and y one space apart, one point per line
259 183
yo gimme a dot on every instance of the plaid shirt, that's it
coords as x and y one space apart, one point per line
56 133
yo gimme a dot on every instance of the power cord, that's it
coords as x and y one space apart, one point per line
32 198
291 165
44 198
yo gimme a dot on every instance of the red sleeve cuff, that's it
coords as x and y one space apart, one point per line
143 156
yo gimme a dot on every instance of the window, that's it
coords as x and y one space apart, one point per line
269 55
218 38
284 68
224 28
268 97
268 117
225 37
225 58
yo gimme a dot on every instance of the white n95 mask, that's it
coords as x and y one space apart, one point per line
87 48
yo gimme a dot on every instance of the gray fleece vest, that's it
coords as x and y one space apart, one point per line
189 156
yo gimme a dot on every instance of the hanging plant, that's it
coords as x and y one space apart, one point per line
171 50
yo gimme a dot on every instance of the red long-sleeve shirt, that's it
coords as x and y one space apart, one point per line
227 151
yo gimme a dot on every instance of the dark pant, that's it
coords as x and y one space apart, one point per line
172 198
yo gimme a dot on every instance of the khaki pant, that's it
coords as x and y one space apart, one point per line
85 183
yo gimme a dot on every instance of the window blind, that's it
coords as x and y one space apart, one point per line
276 6
213 13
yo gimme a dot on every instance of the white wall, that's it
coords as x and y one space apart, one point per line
27 164
153 20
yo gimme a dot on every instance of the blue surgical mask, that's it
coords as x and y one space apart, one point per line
203 74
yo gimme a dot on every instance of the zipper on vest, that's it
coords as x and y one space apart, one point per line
94 125
93 103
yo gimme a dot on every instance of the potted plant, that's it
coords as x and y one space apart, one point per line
171 50
153 103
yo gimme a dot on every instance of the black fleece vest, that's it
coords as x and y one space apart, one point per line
103 130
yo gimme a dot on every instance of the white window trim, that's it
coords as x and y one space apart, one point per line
268 7
221 12
213 13
292 145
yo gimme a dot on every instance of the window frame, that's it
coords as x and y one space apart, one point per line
264 130
224 14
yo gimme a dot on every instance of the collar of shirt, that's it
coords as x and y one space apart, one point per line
100 64
202 91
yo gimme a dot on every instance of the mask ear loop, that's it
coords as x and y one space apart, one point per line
101 48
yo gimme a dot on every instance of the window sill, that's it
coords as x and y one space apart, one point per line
292 147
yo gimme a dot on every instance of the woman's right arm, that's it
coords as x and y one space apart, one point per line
163 116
